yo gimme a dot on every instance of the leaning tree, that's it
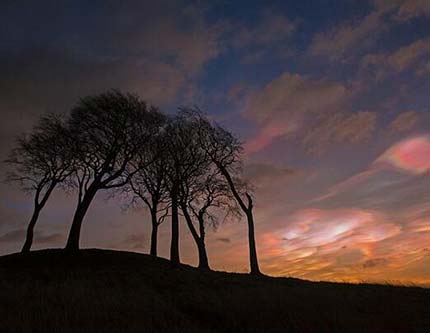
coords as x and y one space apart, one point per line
108 130
204 200
41 161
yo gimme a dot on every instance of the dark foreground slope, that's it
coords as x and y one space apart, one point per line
109 291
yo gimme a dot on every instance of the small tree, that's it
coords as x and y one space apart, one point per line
108 130
40 162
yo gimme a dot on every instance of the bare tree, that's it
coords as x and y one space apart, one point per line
108 131
40 162
203 201
149 185
185 160
225 151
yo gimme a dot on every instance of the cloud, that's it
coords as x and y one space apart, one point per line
341 40
415 55
236 92
410 156
267 174
271 28
315 228
283 105
404 122
135 241
408 55
223 239
267 37
351 244
413 8
345 39
292 95
40 237
310 110
12 236
374 262
318 242
157 52
271 183
340 128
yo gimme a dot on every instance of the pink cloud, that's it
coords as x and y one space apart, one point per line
349 244
287 104
312 240
266 137
332 229
411 155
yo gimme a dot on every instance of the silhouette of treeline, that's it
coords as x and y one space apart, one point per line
180 164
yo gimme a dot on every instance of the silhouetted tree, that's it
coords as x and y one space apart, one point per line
225 151
108 130
203 200
185 160
40 162
193 166
149 184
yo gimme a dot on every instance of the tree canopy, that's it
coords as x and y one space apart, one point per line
178 165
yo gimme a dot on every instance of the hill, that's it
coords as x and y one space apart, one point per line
112 291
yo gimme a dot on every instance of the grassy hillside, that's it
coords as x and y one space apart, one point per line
110 291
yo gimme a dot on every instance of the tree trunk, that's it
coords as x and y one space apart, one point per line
30 230
255 270
38 205
203 256
199 239
75 230
174 243
247 209
154 233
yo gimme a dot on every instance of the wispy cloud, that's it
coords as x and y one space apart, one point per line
311 110
411 156
342 40
414 56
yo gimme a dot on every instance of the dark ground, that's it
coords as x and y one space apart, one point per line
110 291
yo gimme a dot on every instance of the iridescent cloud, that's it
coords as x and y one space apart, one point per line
411 155
349 244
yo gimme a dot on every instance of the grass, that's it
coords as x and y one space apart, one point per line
112 291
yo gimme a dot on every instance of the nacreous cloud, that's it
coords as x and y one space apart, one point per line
315 241
329 230
306 109
411 155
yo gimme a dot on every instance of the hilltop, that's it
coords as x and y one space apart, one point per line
113 291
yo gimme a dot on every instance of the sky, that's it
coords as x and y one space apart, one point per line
329 97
